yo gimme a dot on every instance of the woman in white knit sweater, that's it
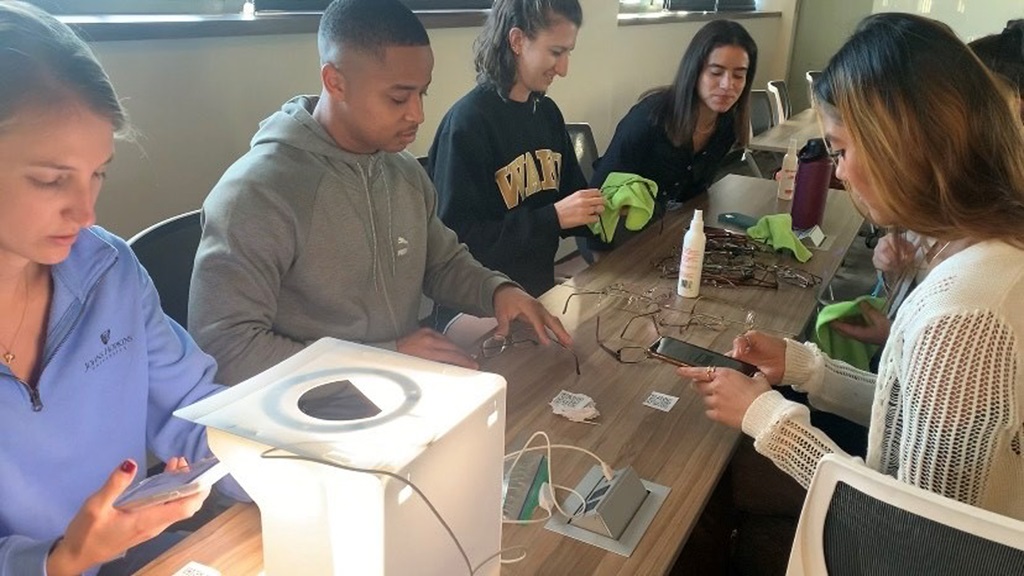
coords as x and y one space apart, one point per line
928 141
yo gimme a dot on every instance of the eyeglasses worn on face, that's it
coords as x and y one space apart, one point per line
496 344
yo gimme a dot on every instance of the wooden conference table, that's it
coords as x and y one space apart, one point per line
680 449
802 126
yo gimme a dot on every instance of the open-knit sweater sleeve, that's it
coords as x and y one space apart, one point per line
946 409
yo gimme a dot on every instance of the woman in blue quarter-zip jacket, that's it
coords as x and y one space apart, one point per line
91 369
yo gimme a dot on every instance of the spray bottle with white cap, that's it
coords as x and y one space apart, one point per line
691 261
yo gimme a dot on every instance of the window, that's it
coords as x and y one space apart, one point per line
97 7
685 5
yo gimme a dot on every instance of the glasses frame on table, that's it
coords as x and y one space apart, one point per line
617 354
496 344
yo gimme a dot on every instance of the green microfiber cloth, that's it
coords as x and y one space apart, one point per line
853 352
777 230
625 190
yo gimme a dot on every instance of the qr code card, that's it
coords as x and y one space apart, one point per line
196 569
660 401
570 401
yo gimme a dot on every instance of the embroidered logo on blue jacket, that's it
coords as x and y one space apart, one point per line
110 349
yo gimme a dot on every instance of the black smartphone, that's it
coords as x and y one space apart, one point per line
682 353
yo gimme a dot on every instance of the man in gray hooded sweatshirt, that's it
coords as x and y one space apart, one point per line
326 227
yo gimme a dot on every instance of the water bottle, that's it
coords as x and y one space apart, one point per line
787 173
810 189
691 261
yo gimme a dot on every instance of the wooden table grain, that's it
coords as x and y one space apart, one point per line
680 449
802 126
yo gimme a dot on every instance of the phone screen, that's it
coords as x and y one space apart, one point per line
686 354
172 485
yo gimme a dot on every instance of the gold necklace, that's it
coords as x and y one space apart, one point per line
9 356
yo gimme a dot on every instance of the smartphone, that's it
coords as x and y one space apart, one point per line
682 353
170 486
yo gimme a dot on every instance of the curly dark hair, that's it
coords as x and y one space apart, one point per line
493 58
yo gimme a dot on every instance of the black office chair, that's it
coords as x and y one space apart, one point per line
582 138
782 109
167 250
857 521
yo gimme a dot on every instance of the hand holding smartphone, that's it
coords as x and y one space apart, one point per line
170 486
681 353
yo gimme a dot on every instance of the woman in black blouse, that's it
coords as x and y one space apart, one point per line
677 135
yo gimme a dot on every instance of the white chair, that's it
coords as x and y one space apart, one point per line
856 521
812 77
781 108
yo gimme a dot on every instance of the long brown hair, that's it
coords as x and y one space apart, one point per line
492 55
678 103
940 144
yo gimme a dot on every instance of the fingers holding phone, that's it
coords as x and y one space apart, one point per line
766 352
101 531
727 394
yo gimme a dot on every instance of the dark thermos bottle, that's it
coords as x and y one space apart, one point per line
810 190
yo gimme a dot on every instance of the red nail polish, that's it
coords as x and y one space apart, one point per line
127 466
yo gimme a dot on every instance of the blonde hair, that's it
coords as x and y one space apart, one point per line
940 143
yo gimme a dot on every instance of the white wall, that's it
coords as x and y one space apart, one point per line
969 18
821 29
197 102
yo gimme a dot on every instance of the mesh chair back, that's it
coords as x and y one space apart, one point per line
167 250
582 139
857 521
760 112
780 96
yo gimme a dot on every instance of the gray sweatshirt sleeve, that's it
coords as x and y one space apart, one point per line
453 278
249 240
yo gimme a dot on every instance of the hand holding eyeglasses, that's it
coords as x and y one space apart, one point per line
766 352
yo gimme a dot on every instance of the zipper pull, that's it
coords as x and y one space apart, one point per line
37 401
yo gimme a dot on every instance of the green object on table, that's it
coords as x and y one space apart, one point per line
853 352
625 190
777 230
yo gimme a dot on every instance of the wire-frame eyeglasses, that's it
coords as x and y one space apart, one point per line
626 354
498 343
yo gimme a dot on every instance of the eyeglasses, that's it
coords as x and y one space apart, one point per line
626 354
833 154
498 343
648 301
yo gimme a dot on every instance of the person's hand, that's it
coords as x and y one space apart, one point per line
432 345
893 253
510 303
766 352
579 208
99 532
874 329
727 393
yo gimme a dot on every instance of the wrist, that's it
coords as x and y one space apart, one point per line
60 561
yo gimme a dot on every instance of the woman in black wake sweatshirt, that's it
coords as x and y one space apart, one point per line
507 177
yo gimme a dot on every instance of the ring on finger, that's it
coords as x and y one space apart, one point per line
710 373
